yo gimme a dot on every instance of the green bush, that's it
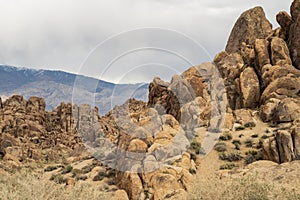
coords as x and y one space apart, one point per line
236 142
225 137
228 166
220 147
67 169
249 142
252 156
51 168
58 179
196 147
76 172
237 146
87 169
264 136
234 156
100 176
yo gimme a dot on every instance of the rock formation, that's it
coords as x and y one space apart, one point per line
155 146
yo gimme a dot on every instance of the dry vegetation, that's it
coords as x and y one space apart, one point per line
26 185
243 188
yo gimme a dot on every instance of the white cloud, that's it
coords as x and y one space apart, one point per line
58 34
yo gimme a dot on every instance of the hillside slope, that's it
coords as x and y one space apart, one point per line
57 86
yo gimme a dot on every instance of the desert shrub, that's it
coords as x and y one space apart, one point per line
249 159
87 169
111 173
237 146
192 171
268 130
225 137
28 185
51 168
111 182
57 178
81 177
249 142
264 136
220 147
76 172
236 142
196 147
66 169
252 156
260 144
248 187
234 156
100 176
228 166
254 135
52 177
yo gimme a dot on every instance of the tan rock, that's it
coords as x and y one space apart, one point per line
288 110
285 146
295 9
250 26
285 21
261 53
165 185
270 150
294 41
244 117
290 83
250 88
132 184
267 111
279 52
120 195
137 145
230 67
228 121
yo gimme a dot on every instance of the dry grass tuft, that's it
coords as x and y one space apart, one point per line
243 188
26 185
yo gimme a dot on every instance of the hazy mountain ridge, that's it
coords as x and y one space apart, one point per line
58 86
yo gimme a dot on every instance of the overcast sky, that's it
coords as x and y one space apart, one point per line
115 40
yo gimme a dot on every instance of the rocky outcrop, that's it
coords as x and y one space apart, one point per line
168 98
279 52
284 146
295 9
244 118
285 21
250 26
294 42
262 56
230 67
250 89
29 133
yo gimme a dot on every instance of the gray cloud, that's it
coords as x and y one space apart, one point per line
60 34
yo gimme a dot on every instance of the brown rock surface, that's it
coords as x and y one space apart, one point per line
250 26
279 52
250 88
285 21
295 9
288 110
230 67
285 146
261 53
244 117
294 42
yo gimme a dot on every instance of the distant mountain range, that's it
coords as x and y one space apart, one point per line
59 86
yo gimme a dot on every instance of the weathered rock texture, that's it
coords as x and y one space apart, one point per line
250 26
